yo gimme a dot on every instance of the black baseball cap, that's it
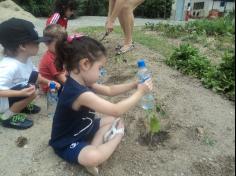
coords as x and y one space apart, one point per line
14 32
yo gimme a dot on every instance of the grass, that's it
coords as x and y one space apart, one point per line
156 43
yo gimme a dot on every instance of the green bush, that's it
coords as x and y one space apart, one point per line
221 26
220 78
37 8
188 61
150 8
155 9
218 26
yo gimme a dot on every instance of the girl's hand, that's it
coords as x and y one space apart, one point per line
109 25
26 92
146 87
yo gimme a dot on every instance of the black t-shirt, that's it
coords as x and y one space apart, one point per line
71 126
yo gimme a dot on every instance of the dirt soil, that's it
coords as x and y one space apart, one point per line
200 123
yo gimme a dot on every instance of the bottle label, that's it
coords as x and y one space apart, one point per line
143 78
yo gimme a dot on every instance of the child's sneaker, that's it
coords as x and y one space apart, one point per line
31 109
17 121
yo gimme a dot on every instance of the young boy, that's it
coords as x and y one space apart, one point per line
18 76
47 67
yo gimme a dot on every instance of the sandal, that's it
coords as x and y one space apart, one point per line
122 51
110 134
119 46
93 171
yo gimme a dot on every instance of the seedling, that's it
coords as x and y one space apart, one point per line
209 141
160 110
154 124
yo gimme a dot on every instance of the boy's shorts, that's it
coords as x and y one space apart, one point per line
71 152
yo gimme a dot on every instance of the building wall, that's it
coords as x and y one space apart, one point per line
207 7
173 13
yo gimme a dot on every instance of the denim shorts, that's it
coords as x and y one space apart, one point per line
71 152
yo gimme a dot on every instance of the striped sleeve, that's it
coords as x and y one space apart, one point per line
53 19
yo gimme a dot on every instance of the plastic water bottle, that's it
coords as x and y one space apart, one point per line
102 74
147 101
52 99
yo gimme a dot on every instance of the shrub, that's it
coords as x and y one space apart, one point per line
188 61
219 26
37 8
155 9
220 78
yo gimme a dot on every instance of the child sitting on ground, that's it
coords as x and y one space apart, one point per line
64 9
78 134
18 76
47 67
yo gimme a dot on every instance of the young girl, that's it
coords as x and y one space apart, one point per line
64 9
78 134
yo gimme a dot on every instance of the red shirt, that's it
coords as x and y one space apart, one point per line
57 19
47 68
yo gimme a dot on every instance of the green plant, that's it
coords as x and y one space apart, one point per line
220 78
188 61
37 8
208 141
155 9
220 26
160 110
154 123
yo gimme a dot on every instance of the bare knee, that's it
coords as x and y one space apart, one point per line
90 158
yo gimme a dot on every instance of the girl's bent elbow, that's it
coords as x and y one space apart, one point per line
116 113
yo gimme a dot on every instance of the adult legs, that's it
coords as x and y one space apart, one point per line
126 19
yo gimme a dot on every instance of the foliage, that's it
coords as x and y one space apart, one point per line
150 8
172 31
220 78
188 61
37 8
221 26
154 123
92 7
155 9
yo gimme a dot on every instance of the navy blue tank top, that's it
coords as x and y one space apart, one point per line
70 126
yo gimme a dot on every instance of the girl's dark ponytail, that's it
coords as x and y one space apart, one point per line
70 52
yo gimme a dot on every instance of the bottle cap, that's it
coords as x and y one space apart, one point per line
52 85
141 63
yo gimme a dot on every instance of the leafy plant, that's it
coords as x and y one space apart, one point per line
155 9
37 8
209 141
220 78
154 123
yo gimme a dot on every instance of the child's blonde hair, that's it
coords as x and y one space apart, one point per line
55 31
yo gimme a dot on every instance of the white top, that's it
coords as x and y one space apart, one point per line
12 73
